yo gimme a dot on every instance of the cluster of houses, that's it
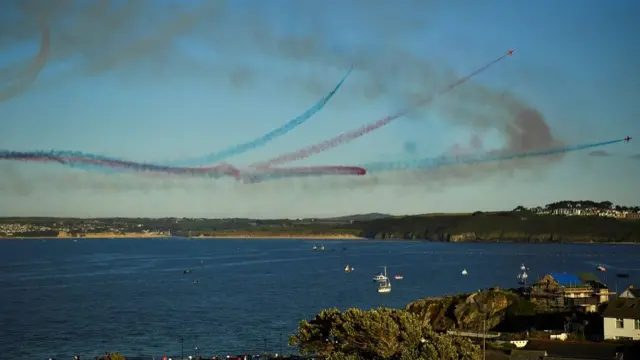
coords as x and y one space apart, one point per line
621 314
589 211
10 229
584 292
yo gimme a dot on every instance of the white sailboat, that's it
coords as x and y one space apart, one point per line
385 286
464 272
523 276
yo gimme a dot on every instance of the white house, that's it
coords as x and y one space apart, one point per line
622 319
631 292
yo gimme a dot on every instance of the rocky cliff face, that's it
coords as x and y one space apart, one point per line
467 312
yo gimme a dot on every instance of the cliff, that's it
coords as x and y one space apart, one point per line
469 311
506 226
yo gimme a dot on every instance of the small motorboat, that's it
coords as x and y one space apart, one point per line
464 272
601 268
186 272
349 269
398 277
196 282
380 278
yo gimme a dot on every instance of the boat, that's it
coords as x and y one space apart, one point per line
601 268
385 286
464 272
380 278
314 248
196 282
522 278
188 271
398 277
348 269
321 247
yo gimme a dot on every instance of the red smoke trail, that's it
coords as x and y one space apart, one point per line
218 170
354 134
32 72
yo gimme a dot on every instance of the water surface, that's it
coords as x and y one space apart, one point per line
61 297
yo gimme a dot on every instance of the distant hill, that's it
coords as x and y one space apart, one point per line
360 217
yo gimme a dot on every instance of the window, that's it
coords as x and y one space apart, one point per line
637 324
619 323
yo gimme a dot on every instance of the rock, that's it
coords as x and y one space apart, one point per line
466 312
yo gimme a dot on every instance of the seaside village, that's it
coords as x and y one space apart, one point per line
599 323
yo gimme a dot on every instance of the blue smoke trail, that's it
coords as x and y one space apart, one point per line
435 162
264 139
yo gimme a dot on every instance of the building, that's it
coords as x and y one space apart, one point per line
563 290
622 319
631 292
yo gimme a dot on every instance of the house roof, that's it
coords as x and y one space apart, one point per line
623 308
576 350
566 279
635 291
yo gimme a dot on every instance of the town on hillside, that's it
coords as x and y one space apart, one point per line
585 208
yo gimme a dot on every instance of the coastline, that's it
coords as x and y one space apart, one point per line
240 236
326 237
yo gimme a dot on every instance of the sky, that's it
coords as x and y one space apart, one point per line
165 80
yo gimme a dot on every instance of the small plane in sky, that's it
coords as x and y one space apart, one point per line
627 139
510 52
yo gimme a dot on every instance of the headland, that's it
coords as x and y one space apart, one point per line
562 222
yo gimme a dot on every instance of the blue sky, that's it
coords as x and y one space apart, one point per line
163 80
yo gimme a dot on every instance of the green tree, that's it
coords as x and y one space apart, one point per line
379 334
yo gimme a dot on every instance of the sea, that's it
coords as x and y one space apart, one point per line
60 298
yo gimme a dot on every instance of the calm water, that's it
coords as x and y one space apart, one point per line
61 297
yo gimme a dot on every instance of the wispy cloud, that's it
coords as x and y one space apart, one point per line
599 153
